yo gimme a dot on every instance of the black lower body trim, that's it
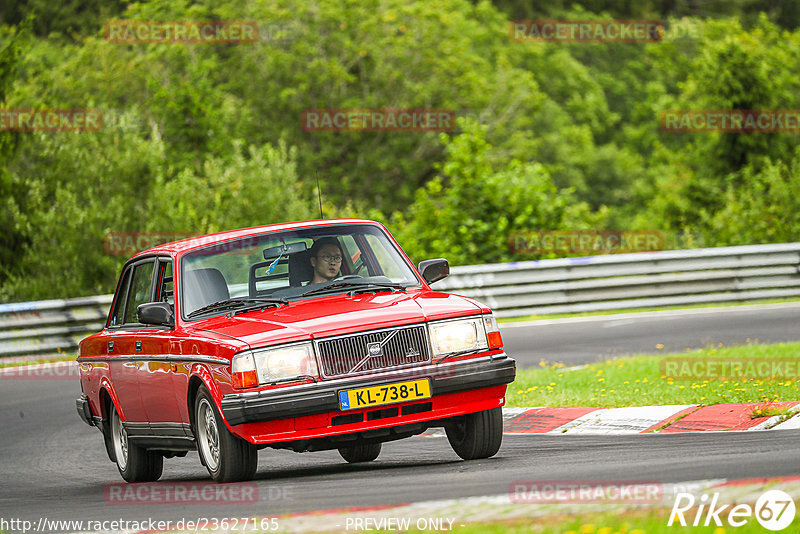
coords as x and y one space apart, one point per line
454 377
161 436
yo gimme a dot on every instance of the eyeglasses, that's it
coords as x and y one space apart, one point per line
330 259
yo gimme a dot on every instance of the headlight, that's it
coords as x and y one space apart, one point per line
274 364
462 335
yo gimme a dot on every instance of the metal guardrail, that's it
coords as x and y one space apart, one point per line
565 285
627 281
50 327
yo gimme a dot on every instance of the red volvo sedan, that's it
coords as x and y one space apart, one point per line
305 336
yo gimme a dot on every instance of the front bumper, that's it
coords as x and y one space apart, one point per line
321 397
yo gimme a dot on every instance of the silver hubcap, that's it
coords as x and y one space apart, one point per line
120 437
209 436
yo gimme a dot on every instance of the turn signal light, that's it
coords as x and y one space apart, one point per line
495 340
246 379
493 337
243 371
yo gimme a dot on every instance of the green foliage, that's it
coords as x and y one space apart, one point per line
80 187
13 193
245 188
199 138
63 18
468 213
763 209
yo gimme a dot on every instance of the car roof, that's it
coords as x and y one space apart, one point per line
177 247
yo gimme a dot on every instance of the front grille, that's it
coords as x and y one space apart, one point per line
372 351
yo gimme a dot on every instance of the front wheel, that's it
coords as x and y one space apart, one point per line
228 458
135 464
476 435
365 452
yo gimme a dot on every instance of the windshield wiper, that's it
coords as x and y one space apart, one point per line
358 285
258 304
235 303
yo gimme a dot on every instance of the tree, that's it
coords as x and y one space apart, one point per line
469 212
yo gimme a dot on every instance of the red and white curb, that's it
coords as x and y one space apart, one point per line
644 419
641 419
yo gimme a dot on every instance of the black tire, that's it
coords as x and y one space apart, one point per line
228 458
135 464
476 435
364 452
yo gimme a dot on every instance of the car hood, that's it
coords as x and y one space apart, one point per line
339 314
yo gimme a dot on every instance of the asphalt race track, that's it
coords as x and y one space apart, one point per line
52 465
587 339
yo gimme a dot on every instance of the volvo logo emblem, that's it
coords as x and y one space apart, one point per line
375 349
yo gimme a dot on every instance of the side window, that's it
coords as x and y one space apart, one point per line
119 303
165 285
140 290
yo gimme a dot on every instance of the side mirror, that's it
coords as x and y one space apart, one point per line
433 270
156 313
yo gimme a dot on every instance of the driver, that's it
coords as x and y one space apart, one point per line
326 259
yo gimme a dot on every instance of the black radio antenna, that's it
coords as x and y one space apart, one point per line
319 195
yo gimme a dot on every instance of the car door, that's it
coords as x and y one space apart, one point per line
156 375
124 329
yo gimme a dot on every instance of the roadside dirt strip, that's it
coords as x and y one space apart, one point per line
700 502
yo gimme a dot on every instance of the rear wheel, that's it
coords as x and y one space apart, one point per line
228 458
365 452
476 435
135 464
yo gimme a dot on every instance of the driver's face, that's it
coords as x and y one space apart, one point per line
326 264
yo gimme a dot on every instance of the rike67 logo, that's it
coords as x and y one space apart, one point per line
774 510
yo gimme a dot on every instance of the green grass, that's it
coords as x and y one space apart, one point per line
640 310
638 381
650 521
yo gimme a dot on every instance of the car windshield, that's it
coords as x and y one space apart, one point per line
294 264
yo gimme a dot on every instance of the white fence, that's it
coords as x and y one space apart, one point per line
566 285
